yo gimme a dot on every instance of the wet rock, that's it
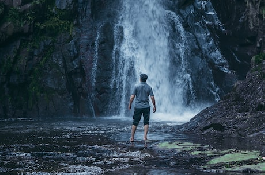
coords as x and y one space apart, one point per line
16 3
239 113
244 28
64 4
93 170
8 28
84 87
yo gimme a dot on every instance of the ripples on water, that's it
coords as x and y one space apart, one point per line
86 146
68 145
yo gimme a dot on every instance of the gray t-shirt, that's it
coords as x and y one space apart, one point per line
142 92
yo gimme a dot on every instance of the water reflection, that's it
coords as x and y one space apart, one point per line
97 146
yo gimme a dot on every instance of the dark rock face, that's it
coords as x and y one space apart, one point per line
244 32
105 17
210 71
41 70
56 56
239 113
55 66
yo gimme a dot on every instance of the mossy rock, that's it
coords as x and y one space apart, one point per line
211 152
262 11
238 161
258 167
182 146
2 8
235 157
259 58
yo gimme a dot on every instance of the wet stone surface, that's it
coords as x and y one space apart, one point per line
101 146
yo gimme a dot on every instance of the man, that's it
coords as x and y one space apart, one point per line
142 91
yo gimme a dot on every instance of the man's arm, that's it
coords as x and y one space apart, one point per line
131 100
154 103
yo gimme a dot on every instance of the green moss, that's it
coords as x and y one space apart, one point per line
211 152
54 21
262 11
54 26
2 8
47 23
235 157
47 19
259 58
35 87
6 65
183 146
13 15
257 167
259 67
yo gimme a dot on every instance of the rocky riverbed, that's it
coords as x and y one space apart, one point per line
101 146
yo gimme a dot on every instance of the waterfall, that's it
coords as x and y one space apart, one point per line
151 39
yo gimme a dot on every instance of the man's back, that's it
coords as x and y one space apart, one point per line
142 92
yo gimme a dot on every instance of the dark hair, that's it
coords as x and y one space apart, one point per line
143 77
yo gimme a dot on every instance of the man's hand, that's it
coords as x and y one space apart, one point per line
154 109
131 100
154 103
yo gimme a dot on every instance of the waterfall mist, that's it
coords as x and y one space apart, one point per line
150 38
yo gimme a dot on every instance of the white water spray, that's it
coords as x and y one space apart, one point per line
151 39
144 49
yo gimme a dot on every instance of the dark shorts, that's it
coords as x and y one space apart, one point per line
138 112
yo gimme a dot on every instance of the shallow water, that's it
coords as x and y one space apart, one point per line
92 146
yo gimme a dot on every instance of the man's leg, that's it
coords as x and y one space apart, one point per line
133 132
136 119
145 131
146 114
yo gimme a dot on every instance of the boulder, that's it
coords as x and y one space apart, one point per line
239 113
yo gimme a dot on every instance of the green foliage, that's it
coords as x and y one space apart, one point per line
46 17
259 58
6 65
13 16
2 8
36 86
47 22
262 11
54 26
53 21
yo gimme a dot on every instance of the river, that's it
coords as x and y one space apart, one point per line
99 146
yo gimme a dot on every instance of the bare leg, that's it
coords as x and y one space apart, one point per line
133 132
145 131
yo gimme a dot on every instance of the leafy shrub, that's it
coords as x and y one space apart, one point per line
259 58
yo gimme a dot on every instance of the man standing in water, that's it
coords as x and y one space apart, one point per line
142 91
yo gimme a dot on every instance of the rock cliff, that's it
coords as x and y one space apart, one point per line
48 53
239 113
244 32
41 71
49 48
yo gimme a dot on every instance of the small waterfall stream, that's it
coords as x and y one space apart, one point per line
150 38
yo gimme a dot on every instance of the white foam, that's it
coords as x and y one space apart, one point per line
175 118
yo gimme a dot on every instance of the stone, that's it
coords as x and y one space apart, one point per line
233 114
8 28
8 2
16 3
64 4
25 7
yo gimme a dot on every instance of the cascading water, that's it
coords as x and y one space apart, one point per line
151 39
